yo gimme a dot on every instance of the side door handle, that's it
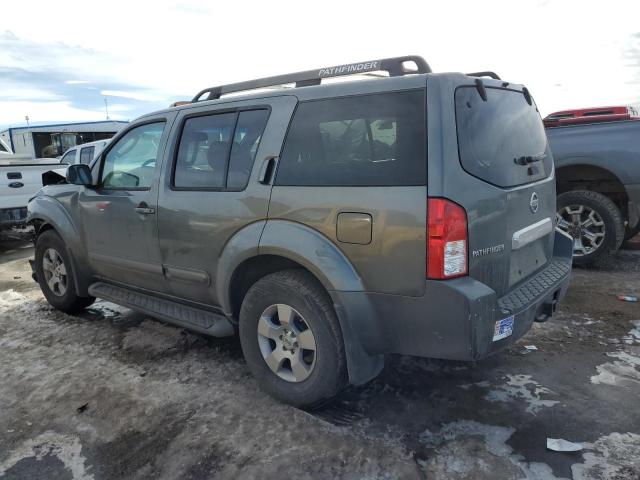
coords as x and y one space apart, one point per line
144 209
268 170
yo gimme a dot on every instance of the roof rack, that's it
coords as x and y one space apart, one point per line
395 66
484 74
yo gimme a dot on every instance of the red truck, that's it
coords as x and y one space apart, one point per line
590 115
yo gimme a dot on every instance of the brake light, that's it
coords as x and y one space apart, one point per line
447 240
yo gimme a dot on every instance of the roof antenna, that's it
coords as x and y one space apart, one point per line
106 108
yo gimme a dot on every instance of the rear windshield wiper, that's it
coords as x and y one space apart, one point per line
528 159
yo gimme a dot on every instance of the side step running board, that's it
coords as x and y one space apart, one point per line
173 312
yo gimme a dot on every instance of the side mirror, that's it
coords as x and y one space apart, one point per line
79 174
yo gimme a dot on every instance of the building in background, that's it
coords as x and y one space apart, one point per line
50 141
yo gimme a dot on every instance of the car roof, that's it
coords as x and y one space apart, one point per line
315 92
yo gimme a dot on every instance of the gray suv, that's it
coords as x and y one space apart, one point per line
326 224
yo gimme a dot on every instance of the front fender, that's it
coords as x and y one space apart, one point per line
49 212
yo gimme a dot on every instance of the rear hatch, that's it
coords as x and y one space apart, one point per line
510 187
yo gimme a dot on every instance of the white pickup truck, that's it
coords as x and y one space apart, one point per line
20 179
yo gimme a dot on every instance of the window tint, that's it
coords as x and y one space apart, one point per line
206 147
245 146
86 155
363 140
69 157
132 160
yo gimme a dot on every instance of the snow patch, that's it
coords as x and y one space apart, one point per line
66 448
10 299
470 449
525 388
634 334
614 456
619 372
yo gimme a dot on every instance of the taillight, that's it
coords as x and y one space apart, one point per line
447 240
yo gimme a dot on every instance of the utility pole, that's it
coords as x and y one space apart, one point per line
106 107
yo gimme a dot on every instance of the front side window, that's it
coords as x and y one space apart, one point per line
69 157
374 140
132 160
2 148
217 151
86 155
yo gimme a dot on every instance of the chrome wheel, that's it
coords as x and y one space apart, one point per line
55 272
585 225
286 342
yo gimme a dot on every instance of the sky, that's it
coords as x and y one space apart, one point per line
60 60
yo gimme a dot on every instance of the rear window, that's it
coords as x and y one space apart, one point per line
373 140
501 140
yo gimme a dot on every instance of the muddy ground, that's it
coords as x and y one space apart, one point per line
113 394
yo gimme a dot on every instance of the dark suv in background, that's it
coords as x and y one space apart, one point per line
327 224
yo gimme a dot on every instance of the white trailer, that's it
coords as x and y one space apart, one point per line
51 141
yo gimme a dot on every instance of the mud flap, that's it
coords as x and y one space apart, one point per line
361 365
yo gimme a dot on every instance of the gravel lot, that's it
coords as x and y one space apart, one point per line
114 394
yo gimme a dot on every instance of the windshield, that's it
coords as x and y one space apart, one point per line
501 140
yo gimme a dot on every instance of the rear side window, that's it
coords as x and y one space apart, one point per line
372 140
217 151
203 151
86 155
501 140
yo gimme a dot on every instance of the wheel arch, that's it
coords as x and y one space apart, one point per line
289 245
47 214
584 176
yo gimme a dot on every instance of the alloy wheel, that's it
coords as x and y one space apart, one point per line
585 225
55 272
286 342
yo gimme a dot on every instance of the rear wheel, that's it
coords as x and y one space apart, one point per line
594 222
291 339
55 275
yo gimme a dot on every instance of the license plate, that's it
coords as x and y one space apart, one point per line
503 328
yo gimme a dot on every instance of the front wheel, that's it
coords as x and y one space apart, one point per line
55 275
594 222
292 340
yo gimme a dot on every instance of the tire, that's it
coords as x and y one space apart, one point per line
606 229
51 252
311 308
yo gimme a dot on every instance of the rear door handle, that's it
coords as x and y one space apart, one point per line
267 170
144 209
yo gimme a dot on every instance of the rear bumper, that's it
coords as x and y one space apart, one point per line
455 319
12 217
